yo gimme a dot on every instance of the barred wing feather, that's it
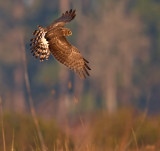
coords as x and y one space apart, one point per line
65 18
68 55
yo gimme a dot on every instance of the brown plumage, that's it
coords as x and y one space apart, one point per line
52 39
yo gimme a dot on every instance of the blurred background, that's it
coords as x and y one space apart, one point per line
121 40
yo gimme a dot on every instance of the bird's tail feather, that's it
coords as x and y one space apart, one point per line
39 45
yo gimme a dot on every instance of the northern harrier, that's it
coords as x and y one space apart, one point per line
52 39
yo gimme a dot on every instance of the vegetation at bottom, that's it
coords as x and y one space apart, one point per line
127 129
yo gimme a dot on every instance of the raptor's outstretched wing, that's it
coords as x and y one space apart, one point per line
65 18
68 55
51 39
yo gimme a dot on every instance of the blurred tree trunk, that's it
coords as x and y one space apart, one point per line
111 90
64 5
63 96
78 88
19 99
18 103
78 83
63 75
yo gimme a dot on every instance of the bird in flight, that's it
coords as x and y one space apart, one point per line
52 40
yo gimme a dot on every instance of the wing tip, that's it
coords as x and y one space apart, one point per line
83 73
85 60
85 64
71 12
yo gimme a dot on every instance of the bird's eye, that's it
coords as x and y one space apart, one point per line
69 32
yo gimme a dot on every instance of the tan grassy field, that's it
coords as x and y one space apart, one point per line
127 129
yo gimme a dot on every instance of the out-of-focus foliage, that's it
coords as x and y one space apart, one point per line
119 38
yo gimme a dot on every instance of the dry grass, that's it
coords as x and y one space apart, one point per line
94 133
3 133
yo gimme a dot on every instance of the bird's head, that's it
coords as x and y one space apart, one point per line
67 32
